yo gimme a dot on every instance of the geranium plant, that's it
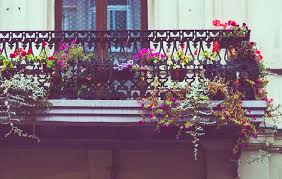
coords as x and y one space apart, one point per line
21 96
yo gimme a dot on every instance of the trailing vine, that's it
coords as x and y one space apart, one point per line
21 97
189 108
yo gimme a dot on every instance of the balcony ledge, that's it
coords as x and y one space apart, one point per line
117 111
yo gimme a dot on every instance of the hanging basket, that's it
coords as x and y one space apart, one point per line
123 75
178 74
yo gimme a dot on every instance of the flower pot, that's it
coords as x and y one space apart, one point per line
102 74
46 69
20 66
226 42
178 74
126 74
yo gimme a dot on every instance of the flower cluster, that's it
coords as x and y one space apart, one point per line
125 66
179 58
21 56
234 27
211 55
149 56
248 50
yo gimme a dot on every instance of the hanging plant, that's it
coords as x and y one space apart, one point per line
21 98
125 71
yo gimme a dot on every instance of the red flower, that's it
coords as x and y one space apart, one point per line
196 51
29 52
23 53
216 47
232 23
12 55
216 22
257 52
20 49
224 26
51 58
260 57
16 53
44 43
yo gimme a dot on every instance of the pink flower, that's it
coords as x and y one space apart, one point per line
163 56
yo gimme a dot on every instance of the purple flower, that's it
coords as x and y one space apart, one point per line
163 106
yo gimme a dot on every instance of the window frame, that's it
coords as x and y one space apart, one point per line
101 15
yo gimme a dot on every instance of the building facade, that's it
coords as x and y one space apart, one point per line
119 151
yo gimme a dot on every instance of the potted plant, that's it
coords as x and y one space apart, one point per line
177 65
210 62
124 71
234 33
149 57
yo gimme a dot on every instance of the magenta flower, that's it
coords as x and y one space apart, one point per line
61 62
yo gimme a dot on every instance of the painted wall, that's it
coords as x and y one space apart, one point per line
26 15
66 163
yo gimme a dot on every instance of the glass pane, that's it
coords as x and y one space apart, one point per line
79 15
124 14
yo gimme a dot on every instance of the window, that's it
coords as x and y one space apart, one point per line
101 15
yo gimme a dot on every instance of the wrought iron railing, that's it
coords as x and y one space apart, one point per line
91 80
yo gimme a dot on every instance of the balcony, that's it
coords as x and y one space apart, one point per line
93 91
